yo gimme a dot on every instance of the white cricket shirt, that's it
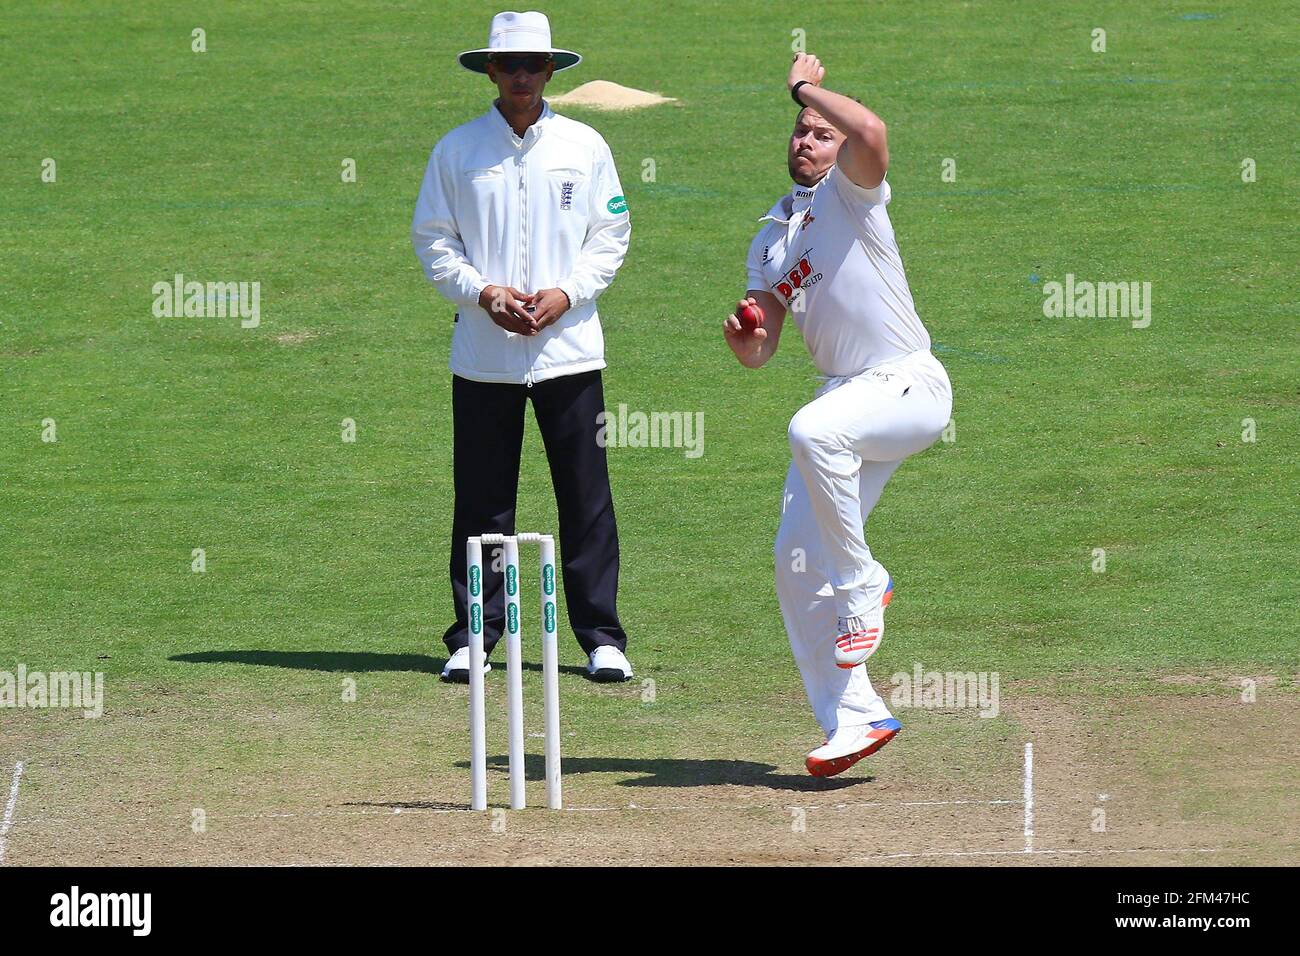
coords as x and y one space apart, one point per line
833 245
540 211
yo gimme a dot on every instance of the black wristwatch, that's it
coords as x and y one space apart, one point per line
794 92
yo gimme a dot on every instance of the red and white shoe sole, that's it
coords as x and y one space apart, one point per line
829 768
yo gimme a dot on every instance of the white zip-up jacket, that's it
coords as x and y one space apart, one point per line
545 211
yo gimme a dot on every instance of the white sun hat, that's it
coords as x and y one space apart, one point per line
518 33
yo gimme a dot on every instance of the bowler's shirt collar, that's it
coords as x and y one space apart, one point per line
796 201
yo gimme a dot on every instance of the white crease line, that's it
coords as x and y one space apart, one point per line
907 803
630 808
363 812
933 853
12 805
808 808
1029 798
633 808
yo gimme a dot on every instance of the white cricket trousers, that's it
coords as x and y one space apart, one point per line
845 444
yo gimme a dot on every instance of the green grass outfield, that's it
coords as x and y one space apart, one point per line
1071 434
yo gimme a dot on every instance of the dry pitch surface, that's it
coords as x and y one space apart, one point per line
1191 774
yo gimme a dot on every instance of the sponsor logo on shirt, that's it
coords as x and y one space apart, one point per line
616 205
566 195
800 277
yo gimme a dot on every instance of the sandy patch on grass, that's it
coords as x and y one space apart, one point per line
604 95
296 338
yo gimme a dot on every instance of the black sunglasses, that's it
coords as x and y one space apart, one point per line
532 62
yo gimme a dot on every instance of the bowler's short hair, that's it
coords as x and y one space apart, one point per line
798 116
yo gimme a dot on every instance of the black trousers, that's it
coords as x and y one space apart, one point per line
488 419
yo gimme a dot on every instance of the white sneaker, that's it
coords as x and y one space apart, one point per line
848 745
609 664
860 637
456 670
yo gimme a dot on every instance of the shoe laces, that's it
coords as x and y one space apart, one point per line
849 626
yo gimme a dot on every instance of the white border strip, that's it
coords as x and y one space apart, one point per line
9 808
1029 798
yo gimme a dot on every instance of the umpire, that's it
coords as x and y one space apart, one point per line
521 223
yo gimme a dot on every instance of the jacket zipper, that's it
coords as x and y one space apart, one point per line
523 250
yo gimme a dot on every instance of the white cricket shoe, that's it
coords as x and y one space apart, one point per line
609 664
860 637
456 670
848 745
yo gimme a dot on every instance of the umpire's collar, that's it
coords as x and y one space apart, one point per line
530 134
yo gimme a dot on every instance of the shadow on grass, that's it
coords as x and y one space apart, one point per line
648 772
349 662
680 772
343 662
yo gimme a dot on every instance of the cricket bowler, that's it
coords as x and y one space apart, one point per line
826 254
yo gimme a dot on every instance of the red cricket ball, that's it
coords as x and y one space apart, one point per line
751 317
